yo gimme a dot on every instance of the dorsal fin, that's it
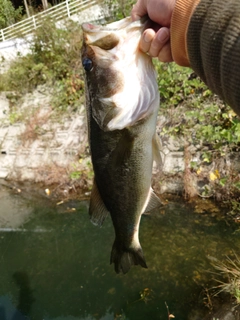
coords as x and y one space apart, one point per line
97 209
157 145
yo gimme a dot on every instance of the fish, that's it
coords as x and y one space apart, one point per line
122 101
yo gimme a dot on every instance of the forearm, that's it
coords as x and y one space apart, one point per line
180 20
208 39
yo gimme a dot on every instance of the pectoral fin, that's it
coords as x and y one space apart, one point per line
97 209
153 203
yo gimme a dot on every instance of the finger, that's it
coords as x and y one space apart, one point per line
159 41
138 11
146 40
165 55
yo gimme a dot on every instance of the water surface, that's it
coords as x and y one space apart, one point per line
54 264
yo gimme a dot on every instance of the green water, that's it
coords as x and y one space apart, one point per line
55 265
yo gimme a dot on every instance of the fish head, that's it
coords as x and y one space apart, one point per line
120 80
101 79
98 62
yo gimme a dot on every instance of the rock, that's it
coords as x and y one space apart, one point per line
228 311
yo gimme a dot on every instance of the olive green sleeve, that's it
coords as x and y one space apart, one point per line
213 45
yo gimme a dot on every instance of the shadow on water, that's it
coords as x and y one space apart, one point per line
2 313
25 299
55 265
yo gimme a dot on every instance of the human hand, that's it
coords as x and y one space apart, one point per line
156 40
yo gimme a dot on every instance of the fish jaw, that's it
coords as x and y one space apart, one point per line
118 30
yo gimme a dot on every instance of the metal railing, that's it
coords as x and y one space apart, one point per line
63 10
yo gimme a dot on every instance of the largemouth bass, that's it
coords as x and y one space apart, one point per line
122 101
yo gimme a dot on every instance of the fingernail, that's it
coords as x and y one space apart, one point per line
147 37
163 35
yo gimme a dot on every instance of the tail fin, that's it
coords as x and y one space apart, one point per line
124 258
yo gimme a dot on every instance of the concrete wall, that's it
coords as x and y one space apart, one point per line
27 147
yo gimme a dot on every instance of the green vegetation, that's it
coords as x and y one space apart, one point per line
120 9
82 170
54 59
8 14
195 112
197 117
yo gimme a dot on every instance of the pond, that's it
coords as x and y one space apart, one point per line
54 264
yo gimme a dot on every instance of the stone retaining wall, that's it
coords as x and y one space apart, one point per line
38 141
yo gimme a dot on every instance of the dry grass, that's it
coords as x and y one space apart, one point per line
230 272
59 183
190 190
34 125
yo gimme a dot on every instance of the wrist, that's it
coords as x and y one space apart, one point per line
181 17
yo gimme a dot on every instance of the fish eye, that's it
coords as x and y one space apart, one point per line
87 64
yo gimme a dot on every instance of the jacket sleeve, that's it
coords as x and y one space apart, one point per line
212 46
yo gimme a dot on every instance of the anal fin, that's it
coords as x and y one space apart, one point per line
97 210
153 203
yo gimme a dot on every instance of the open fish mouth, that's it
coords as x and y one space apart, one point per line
97 35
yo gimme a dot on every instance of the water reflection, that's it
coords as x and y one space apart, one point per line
14 211
63 272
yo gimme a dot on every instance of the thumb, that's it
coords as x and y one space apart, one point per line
138 11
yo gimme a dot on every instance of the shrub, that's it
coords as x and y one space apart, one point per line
54 59
8 14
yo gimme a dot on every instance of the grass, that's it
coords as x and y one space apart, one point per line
194 112
229 271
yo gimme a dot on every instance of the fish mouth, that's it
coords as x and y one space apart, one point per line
96 35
